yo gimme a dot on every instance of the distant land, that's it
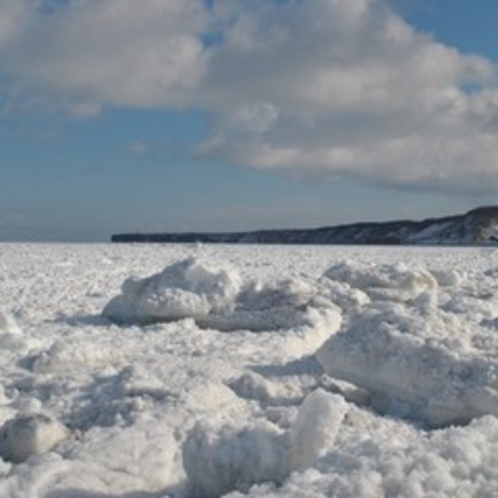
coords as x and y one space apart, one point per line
476 227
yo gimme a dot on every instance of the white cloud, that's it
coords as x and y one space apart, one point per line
344 87
113 52
359 93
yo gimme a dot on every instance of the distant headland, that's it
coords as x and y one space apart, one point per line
476 227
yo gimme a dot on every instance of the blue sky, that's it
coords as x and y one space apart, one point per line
242 114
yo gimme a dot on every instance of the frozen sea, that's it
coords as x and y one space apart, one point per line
148 371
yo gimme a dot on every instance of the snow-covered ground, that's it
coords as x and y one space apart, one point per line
205 371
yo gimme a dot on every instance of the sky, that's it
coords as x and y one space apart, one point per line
220 115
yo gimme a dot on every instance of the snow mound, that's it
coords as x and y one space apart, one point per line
385 282
217 298
184 289
315 428
412 358
219 457
28 435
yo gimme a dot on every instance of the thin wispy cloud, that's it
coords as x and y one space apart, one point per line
339 87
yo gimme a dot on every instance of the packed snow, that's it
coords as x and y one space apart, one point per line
189 371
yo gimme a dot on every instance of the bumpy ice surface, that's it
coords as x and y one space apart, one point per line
205 371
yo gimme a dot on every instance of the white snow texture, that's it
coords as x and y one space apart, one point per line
247 371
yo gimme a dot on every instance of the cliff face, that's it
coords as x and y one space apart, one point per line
477 227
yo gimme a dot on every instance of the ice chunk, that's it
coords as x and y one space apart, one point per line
218 298
188 288
8 324
220 457
251 385
315 428
406 358
209 397
384 282
28 435
448 277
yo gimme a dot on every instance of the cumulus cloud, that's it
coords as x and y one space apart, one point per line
358 92
341 87
121 53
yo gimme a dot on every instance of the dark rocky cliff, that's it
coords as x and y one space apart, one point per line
477 227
